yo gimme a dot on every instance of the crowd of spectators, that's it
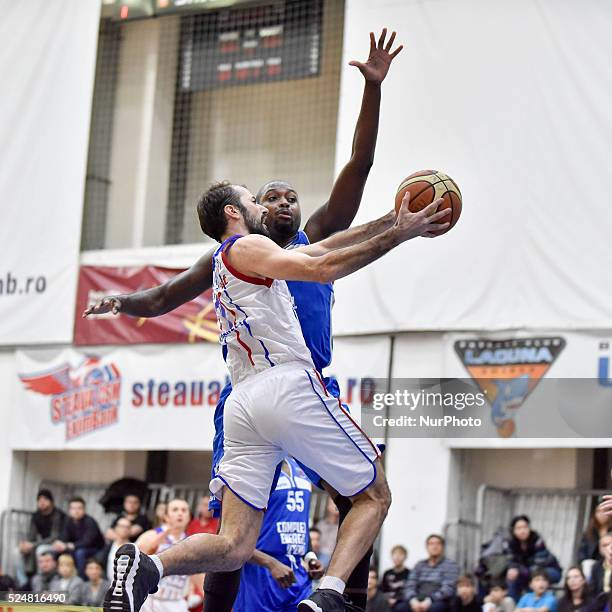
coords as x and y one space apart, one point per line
516 572
68 552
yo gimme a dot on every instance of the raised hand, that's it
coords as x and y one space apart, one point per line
606 505
412 224
377 65
107 304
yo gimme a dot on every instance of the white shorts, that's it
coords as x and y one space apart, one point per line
287 411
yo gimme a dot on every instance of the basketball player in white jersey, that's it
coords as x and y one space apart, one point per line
172 590
279 406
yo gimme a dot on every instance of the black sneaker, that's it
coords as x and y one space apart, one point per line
135 576
349 606
322 600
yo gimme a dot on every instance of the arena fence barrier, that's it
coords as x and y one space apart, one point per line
559 515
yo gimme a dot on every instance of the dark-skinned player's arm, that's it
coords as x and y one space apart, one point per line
283 574
159 300
340 210
259 256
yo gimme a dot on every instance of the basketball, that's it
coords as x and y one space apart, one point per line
426 186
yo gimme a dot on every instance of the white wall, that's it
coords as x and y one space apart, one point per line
511 98
142 133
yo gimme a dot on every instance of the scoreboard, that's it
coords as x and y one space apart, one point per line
267 42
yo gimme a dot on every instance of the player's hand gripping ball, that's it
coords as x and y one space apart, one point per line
425 187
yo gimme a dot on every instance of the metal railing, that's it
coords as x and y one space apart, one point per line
14 526
559 515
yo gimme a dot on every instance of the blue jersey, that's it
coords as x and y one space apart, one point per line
284 536
314 302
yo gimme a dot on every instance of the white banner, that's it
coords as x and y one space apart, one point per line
357 361
154 397
47 71
511 98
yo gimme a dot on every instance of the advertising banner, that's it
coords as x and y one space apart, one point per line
47 72
191 322
541 384
154 397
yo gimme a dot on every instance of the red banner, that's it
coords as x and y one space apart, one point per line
193 322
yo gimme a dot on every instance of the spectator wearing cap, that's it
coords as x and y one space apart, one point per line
47 571
431 584
81 535
139 522
46 526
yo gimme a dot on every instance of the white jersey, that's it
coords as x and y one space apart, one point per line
171 588
257 320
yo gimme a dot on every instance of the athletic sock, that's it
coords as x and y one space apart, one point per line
158 564
220 590
332 583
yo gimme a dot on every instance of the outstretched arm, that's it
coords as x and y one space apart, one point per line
159 300
340 210
350 236
257 255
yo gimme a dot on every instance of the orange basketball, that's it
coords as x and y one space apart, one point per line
425 187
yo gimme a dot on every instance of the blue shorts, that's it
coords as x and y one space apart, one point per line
214 505
259 591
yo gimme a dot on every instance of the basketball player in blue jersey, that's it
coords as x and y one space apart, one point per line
282 545
313 300
279 407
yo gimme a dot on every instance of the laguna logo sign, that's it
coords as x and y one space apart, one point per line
507 371
84 398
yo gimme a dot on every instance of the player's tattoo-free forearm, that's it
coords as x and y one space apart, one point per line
261 558
355 235
366 130
342 262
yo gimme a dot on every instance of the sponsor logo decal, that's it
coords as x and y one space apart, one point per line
507 371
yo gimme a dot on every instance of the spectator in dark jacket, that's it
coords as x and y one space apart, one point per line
132 511
431 584
47 571
377 602
527 552
394 580
576 592
46 526
81 535
599 525
466 599
601 574
7 584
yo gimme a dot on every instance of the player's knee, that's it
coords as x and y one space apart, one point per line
237 554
